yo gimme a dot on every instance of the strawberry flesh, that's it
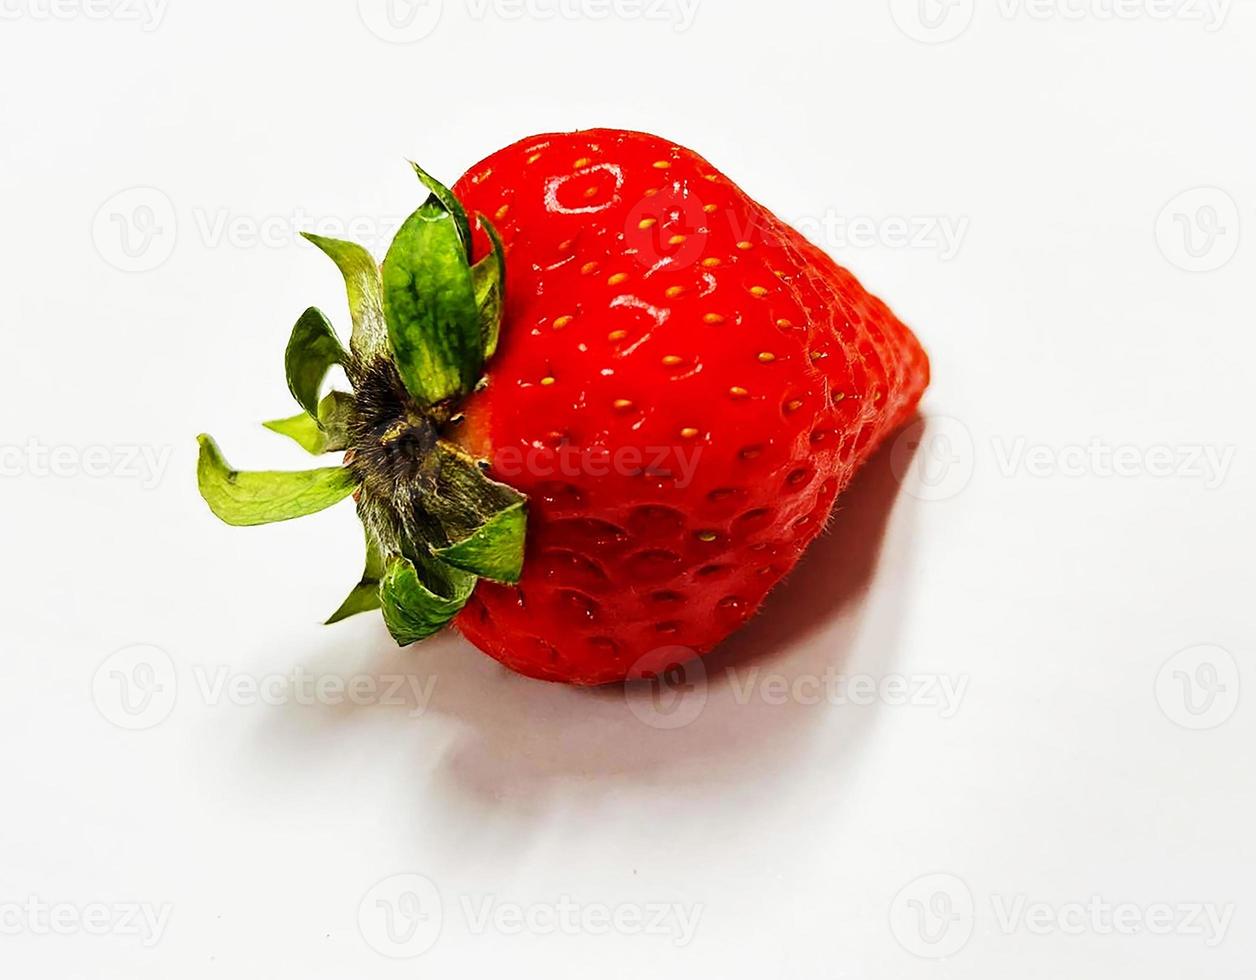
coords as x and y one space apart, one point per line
683 386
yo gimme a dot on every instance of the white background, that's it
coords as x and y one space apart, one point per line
1060 553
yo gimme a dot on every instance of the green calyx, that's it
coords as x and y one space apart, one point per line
425 323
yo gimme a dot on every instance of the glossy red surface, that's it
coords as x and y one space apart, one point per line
683 386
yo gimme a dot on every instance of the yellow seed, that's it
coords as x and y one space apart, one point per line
818 355
590 192
622 404
617 278
582 163
673 291
501 212
688 433
745 245
534 158
713 318
547 381
671 360
645 223
588 268
707 536
737 391
711 177
651 192
676 240
561 322
838 396
710 263
565 246
617 335
710 208
784 324
794 405
661 165
766 357
758 291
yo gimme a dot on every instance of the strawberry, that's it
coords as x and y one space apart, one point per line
597 429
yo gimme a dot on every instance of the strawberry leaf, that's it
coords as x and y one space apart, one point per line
483 522
302 430
420 597
495 549
326 434
365 595
489 277
362 282
246 499
430 307
313 350
449 201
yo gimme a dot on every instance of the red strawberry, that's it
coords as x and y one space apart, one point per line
652 306
682 387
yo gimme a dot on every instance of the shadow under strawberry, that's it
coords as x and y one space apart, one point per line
524 742
526 760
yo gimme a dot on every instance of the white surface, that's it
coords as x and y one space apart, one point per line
804 839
